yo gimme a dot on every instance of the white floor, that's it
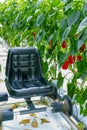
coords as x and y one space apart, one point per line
56 122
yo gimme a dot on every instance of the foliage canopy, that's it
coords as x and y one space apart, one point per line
59 29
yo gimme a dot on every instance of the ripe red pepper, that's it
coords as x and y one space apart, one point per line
65 65
64 44
79 58
70 59
82 47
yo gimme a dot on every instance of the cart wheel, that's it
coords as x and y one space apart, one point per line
63 106
68 103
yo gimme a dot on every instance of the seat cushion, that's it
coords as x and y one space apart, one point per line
24 75
26 89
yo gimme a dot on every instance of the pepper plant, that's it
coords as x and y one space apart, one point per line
59 29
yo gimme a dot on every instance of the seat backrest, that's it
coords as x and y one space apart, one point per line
23 63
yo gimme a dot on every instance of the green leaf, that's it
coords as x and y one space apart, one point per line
66 32
84 111
73 30
85 53
61 58
71 89
79 44
25 34
40 20
85 9
68 6
29 18
73 17
84 95
19 15
60 80
65 1
63 23
76 76
39 2
82 66
50 38
84 37
82 25
21 24
55 37
40 35
42 49
73 48
45 67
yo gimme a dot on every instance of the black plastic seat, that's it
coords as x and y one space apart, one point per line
24 76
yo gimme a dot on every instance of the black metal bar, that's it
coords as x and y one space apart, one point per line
30 104
6 114
3 96
33 110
